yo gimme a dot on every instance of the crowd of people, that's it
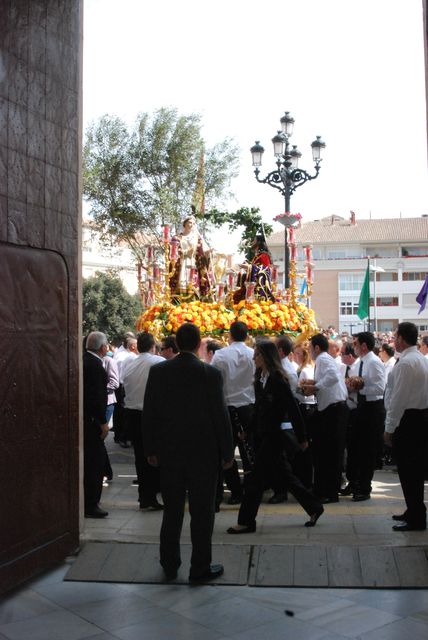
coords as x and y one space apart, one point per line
313 418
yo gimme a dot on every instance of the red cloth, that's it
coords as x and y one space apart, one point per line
262 259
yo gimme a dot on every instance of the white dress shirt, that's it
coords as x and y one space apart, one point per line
373 374
406 388
307 373
291 372
237 366
329 383
135 378
123 358
388 367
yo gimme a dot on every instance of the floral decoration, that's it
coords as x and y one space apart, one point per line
214 318
288 219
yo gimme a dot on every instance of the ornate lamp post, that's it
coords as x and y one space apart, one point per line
287 176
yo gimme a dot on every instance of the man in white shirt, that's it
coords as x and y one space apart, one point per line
135 375
349 370
334 349
386 354
406 425
329 430
122 355
423 346
369 419
236 364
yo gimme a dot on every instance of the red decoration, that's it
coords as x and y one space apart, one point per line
166 233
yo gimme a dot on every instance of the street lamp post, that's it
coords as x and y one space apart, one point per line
287 176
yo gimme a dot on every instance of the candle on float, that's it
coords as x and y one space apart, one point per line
274 273
220 289
166 233
309 273
192 275
149 253
308 253
290 235
229 262
230 280
293 252
156 272
250 290
174 250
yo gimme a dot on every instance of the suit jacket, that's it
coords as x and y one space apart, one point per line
94 391
185 419
275 404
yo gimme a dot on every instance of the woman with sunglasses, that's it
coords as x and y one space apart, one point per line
275 409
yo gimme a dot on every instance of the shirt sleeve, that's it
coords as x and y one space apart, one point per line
328 375
374 381
395 396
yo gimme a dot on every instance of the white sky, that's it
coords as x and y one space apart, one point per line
350 71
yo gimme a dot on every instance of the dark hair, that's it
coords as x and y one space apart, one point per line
270 355
188 337
285 343
170 343
388 349
349 349
238 331
213 346
145 341
409 332
320 340
367 338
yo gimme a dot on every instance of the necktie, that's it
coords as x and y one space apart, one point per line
347 371
360 369
360 398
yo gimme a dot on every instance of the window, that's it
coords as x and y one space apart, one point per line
385 301
381 252
387 276
351 281
348 308
336 255
414 251
414 275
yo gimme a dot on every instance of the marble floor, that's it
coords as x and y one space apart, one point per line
49 609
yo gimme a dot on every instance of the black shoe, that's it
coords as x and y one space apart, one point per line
314 518
170 573
234 532
330 500
405 526
401 517
96 512
151 506
135 482
234 500
360 497
347 491
215 571
277 498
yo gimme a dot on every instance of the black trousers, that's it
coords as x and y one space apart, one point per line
119 425
272 468
94 461
201 487
231 476
148 476
410 448
363 446
328 444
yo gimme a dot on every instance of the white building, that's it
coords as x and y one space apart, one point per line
398 249
96 258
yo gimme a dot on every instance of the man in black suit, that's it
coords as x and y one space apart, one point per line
187 431
95 428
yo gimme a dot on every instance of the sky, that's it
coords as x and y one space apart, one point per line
352 72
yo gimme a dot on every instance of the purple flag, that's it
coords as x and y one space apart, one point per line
421 298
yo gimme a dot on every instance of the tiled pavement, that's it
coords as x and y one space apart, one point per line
48 608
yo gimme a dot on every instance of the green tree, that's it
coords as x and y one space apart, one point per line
137 180
247 219
108 307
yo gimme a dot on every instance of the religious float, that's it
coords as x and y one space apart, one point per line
187 281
